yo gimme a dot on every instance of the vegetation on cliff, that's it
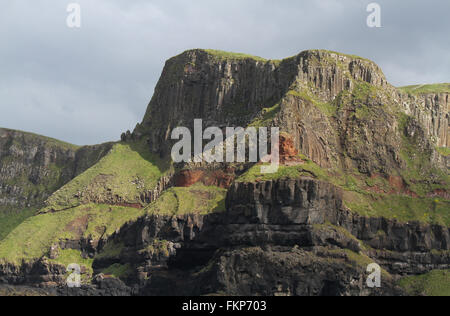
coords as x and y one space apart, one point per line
35 236
127 171
32 168
10 219
434 283
197 199
427 89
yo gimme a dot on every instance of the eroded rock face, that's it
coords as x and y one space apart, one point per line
220 177
432 111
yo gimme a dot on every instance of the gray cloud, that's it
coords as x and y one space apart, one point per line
88 85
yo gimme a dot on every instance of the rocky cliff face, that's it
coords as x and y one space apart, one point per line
361 181
339 109
432 111
32 167
296 236
228 90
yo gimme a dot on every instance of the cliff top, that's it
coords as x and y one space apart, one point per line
225 55
427 88
5 132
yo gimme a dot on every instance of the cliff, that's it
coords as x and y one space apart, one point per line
363 179
32 167
340 110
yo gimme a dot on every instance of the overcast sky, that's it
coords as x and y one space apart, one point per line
88 85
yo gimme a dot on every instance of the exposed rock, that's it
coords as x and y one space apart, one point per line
221 177
280 237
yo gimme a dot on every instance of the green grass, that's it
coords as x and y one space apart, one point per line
35 236
420 174
197 199
266 116
400 207
126 171
118 270
329 109
358 259
233 56
307 169
70 256
444 151
427 89
157 247
434 283
9 220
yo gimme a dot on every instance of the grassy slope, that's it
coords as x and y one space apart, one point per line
118 270
427 88
342 54
70 256
10 219
400 207
34 237
435 283
239 56
126 171
196 199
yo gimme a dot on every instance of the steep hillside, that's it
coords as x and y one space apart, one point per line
363 178
32 167
126 176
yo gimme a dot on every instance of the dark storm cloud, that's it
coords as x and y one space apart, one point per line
88 85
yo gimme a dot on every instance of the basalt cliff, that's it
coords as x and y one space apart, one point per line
363 179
